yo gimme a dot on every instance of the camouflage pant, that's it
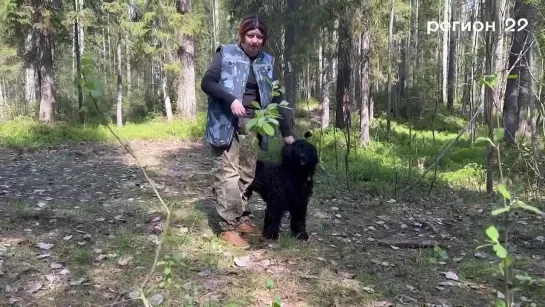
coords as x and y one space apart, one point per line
234 171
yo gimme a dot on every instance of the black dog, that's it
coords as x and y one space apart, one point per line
286 186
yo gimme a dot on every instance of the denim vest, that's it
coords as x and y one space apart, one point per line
221 123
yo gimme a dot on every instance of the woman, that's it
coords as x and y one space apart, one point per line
239 74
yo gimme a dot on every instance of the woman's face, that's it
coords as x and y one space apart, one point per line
253 41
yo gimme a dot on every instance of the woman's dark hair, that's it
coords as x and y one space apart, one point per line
253 22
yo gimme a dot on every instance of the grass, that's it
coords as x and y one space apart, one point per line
24 133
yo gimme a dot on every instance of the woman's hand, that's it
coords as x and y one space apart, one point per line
237 108
289 139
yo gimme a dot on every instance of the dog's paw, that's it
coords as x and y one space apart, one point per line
302 236
270 235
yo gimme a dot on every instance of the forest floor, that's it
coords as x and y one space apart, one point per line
80 224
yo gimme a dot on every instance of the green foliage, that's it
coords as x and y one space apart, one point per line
29 133
506 265
266 120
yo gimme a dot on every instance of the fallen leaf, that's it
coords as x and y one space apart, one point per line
33 287
156 300
451 275
204 273
125 261
45 246
348 275
77 282
242 261
55 266
211 284
446 284
370 290
67 238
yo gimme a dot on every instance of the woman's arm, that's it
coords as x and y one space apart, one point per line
210 82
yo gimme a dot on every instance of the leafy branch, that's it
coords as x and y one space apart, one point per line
266 119
510 203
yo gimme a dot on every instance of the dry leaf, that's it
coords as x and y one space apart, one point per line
55 266
242 261
45 246
156 300
125 261
451 275
33 287
211 284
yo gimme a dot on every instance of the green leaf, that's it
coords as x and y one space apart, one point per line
500 211
272 106
503 191
251 123
256 104
499 303
274 121
492 233
275 93
512 76
501 252
483 139
529 208
268 129
284 103
269 284
277 302
498 135
86 70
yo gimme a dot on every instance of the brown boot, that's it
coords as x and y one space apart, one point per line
235 239
247 227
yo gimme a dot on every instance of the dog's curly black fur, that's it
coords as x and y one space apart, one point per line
286 186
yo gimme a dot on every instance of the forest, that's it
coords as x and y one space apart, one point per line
430 131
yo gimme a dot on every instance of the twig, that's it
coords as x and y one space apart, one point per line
167 209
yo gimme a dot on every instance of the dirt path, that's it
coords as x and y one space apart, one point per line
79 226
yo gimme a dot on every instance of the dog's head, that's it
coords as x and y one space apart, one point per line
301 155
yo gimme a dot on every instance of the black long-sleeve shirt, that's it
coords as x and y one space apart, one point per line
210 85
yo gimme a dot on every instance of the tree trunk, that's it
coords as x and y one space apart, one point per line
510 106
526 95
389 82
416 44
446 7
342 114
319 75
166 98
490 41
365 87
187 101
451 73
119 72
128 64
77 76
290 71
48 90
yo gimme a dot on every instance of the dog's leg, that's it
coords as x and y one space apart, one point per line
271 225
298 223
